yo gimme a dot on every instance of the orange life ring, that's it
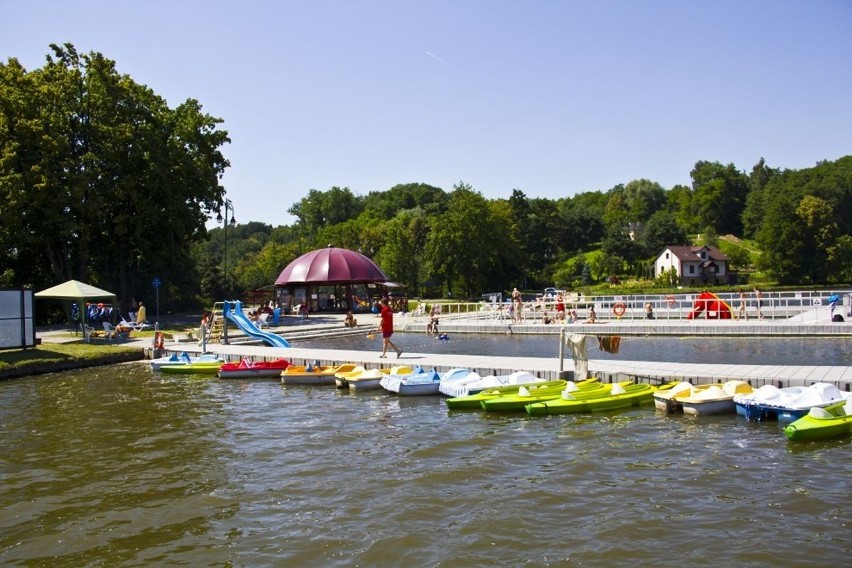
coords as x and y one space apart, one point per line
159 340
670 300
619 308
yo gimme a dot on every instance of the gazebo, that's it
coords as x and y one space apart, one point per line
333 279
75 291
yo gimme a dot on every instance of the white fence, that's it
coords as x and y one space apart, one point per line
807 305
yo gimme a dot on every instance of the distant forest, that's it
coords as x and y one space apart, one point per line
100 180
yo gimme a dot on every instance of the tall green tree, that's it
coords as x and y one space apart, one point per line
115 184
462 243
719 196
753 213
321 209
805 221
662 229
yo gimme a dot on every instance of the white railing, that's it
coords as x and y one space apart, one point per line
775 305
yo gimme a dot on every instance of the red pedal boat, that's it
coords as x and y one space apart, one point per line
248 369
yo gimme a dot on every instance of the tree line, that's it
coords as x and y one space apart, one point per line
102 181
462 244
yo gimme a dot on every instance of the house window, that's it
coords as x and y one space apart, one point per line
692 269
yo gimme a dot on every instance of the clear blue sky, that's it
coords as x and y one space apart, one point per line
550 97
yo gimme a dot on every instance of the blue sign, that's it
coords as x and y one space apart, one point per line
156 283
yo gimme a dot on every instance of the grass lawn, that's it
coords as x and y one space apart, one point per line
57 356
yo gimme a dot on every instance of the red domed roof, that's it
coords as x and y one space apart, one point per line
331 265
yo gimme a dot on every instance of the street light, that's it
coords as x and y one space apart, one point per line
229 207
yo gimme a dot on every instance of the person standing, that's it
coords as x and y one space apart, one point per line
560 307
758 301
141 316
649 311
386 327
518 305
202 329
741 307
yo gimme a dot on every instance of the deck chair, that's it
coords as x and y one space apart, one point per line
133 325
110 331
261 320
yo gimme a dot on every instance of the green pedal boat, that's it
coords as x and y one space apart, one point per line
475 400
822 422
620 395
517 401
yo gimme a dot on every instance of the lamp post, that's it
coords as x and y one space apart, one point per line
226 220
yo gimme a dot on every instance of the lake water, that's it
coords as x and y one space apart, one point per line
123 467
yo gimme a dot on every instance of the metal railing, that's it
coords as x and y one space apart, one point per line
813 305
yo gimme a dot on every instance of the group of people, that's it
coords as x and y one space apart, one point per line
758 303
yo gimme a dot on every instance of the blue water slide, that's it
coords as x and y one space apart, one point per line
237 316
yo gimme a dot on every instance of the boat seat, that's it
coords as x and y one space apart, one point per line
819 412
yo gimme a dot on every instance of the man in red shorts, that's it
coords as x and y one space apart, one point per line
386 327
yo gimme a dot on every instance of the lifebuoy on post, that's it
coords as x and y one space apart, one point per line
159 340
670 301
619 308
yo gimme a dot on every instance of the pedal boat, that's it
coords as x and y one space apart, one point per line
669 400
821 423
418 383
715 399
786 404
183 358
614 396
473 383
475 400
456 380
362 379
313 374
194 368
537 394
248 369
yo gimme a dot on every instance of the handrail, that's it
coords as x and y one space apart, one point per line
775 305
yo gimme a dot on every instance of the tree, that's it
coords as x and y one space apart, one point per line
820 233
321 209
643 198
403 197
719 196
661 230
580 221
803 224
464 241
402 253
106 183
754 209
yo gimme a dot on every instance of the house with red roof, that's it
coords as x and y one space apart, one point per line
694 264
